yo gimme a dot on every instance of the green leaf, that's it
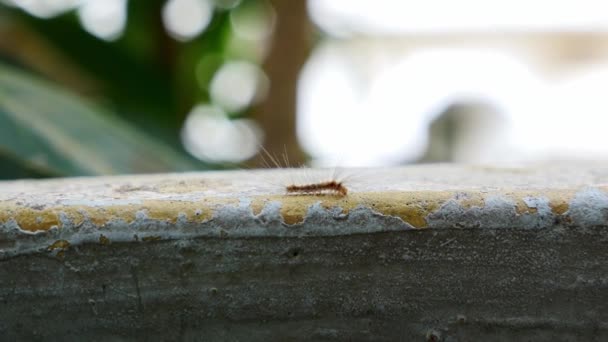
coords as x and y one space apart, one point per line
56 132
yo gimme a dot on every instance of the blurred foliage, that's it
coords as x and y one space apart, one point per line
146 78
46 132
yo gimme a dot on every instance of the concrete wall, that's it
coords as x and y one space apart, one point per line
431 252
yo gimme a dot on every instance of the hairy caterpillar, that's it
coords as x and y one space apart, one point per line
331 186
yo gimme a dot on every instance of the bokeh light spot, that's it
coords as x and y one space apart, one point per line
186 19
237 85
210 136
105 19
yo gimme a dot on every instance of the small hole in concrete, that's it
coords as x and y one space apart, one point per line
293 253
461 319
433 336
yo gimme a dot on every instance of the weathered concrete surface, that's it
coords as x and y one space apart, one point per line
436 252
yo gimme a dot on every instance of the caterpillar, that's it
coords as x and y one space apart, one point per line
328 187
332 187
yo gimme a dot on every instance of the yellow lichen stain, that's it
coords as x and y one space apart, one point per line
518 198
196 214
77 217
559 200
468 200
59 244
104 240
5 213
170 210
294 207
29 219
35 220
522 208
161 210
195 211
102 215
412 207
293 215
46 218
559 207
258 204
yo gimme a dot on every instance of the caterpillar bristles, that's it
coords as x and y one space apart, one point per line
327 187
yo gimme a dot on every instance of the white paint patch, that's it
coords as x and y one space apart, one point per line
589 207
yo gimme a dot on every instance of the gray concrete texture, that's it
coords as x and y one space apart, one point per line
441 252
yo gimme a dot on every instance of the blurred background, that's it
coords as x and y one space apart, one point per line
92 87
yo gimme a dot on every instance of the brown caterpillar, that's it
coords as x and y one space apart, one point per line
329 187
323 188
